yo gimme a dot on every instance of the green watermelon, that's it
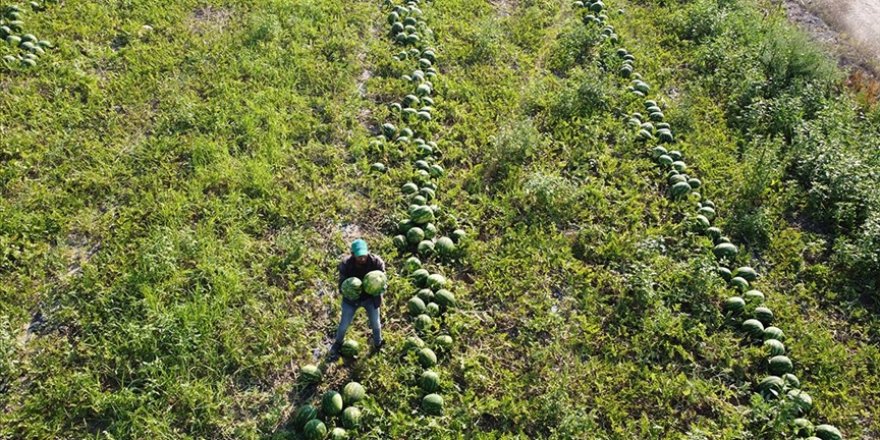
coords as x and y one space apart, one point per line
708 212
423 322
353 393
418 200
427 357
702 222
436 170
746 272
399 241
444 342
422 215
828 432
430 381
303 415
780 364
664 159
375 282
802 427
412 264
426 248
315 430
430 231
724 272
432 309
445 247
416 306
725 250
415 235
420 277
350 348
791 381
331 403
458 235
739 284
409 188
714 233
802 401
754 296
764 315
338 434
413 343
753 328
773 333
735 305
680 189
436 281
427 295
310 374
774 347
351 288
433 404
770 384
445 298
351 417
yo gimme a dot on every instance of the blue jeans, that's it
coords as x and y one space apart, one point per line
348 315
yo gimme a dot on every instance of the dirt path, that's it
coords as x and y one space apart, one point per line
850 29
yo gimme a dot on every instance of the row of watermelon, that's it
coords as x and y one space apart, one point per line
782 386
418 234
22 48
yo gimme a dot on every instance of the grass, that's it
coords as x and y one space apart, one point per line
175 201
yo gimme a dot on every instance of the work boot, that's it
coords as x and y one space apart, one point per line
377 347
334 351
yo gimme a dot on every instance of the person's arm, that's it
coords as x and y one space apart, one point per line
380 265
343 273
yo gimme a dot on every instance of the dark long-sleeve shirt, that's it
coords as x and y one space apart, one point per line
349 268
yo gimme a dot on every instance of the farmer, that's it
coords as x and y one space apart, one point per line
358 264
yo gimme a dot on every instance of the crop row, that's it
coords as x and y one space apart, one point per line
746 305
22 48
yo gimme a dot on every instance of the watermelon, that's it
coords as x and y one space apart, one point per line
802 427
420 277
708 212
315 430
412 264
774 347
753 328
657 152
310 374
445 298
426 248
428 194
378 167
754 296
350 348
770 384
422 215
433 404
664 160
436 170
430 231
338 434
432 309
791 381
780 364
418 200
427 357
351 288
828 432
597 6
353 393
746 272
444 342
331 403
676 178
714 233
680 190
724 272
413 342
802 401
725 250
436 281
445 247
701 222
423 322
739 284
351 417
427 295
430 381
399 241
696 184
303 415
409 188
458 235
764 315
734 305
416 306
375 282
773 333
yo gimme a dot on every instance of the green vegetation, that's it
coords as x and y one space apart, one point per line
180 180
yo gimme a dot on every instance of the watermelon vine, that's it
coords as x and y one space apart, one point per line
781 387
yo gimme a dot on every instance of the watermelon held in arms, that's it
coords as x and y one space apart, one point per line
351 288
375 282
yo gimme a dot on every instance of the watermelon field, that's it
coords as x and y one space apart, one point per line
621 219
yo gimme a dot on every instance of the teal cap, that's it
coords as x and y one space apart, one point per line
359 248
